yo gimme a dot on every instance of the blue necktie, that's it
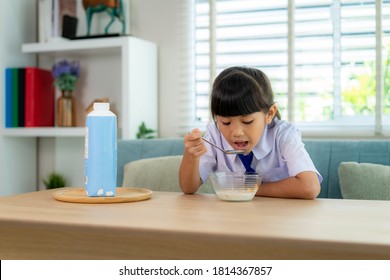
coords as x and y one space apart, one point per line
246 161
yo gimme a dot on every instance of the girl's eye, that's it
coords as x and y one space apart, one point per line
247 122
225 123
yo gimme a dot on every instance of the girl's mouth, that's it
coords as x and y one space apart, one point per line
240 145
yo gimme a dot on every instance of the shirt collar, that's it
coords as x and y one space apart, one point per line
264 146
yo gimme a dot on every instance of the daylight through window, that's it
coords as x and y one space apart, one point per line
321 57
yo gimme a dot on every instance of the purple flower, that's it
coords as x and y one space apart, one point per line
64 67
66 74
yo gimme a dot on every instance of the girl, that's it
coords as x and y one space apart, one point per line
246 118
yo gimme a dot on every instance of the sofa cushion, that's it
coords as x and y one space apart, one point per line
364 181
135 149
158 174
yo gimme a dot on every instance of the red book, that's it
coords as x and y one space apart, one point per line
39 98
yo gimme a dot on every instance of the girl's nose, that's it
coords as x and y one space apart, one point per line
237 130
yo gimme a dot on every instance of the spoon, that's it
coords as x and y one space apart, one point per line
229 152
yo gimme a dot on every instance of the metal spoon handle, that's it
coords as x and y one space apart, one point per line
212 144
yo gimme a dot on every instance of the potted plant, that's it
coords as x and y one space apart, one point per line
54 180
66 75
145 132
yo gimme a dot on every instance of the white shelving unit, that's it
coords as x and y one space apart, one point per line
44 132
130 80
124 69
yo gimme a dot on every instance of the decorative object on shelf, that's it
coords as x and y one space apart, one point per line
101 100
54 180
97 100
57 20
145 133
114 8
69 26
66 74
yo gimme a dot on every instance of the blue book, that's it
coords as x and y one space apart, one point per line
8 97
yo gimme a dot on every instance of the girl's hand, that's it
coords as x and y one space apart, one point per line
189 177
193 144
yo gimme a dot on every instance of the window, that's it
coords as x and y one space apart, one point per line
321 57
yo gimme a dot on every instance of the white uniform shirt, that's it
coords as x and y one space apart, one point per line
279 154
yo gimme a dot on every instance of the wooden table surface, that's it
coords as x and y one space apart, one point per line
177 226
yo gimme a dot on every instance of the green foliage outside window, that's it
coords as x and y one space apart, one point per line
358 99
362 95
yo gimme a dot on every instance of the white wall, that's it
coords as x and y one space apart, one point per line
153 20
16 154
156 21
159 21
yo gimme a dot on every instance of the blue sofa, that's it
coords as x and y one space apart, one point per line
326 155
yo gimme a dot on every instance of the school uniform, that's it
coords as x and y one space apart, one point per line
279 154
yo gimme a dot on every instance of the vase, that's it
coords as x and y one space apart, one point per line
66 110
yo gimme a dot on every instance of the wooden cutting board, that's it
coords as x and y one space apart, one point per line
78 195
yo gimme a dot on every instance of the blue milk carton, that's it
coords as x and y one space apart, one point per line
101 151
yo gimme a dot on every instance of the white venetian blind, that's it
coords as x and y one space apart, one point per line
330 52
252 33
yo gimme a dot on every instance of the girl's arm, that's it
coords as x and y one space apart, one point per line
189 177
304 185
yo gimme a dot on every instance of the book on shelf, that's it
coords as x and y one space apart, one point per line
44 20
39 97
15 97
21 97
29 97
8 97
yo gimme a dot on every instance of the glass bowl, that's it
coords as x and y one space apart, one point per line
231 186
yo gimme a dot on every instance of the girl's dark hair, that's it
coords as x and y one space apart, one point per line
241 91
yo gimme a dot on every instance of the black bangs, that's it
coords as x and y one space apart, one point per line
236 93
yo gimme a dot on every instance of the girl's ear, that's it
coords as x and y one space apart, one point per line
271 113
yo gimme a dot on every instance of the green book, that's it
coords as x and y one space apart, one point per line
15 97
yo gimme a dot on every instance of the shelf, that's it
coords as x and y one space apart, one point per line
44 132
121 68
117 67
77 46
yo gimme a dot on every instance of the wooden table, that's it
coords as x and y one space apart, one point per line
177 226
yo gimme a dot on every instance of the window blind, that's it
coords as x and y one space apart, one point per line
321 57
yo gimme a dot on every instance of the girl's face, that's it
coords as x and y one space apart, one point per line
244 132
